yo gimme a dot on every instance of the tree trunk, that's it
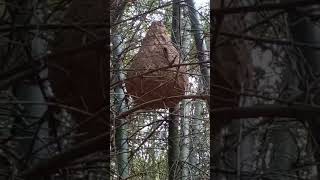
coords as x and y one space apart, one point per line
202 53
195 142
173 144
185 138
173 137
120 103
204 85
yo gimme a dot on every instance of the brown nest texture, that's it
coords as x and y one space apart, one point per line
155 72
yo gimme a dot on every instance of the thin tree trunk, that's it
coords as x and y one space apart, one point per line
121 136
185 139
202 52
173 144
121 128
195 128
173 136
204 86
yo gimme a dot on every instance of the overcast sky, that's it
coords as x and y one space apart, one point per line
201 3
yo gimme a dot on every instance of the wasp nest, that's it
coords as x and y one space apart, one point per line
149 78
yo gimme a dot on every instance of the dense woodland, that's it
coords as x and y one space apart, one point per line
159 89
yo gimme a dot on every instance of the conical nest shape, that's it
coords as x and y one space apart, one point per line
148 78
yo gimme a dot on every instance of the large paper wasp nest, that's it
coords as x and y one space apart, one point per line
156 53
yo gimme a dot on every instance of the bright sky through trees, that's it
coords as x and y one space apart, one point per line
201 3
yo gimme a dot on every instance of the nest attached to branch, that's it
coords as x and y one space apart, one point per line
148 78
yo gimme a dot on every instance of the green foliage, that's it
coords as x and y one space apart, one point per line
149 167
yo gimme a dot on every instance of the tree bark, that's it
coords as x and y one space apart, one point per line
120 103
173 137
